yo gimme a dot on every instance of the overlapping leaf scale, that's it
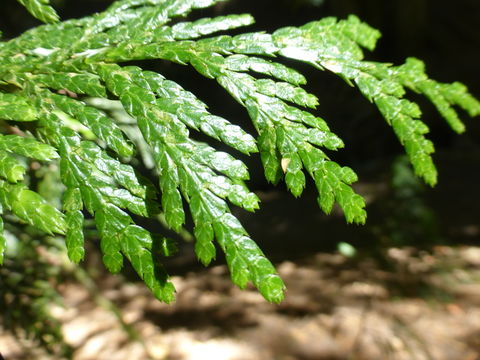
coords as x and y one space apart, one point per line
335 46
41 9
192 169
183 154
139 245
345 35
53 38
380 83
28 147
163 130
122 5
84 163
103 187
172 98
183 8
83 187
100 124
16 107
84 83
179 8
245 260
86 184
287 145
74 238
11 168
144 21
403 115
443 96
212 65
323 45
123 174
206 26
120 235
195 29
31 208
320 40
243 63
277 146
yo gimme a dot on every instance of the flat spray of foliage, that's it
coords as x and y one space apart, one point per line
52 77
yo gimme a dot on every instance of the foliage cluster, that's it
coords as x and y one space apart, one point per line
55 78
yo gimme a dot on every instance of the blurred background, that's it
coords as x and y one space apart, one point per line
404 286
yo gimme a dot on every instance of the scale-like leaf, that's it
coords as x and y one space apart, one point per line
84 83
27 147
137 245
10 168
16 107
31 208
95 120
48 74
74 238
41 9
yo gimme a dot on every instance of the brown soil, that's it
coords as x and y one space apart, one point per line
426 306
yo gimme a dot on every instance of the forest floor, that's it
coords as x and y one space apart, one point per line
383 303
423 305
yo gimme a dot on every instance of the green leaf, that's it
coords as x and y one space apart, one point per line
16 107
204 247
246 261
242 63
333 184
41 9
32 208
95 120
49 75
10 168
27 147
123 174
286 144
111 223
206 26
137 244
74 238
443 96
72 200
83 83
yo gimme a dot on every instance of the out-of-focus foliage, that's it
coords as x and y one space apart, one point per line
410 218
49 75
29 278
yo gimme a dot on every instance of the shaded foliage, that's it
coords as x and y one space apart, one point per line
49 74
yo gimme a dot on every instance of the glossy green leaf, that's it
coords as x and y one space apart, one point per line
32 208
41 9
28 147
73 83
206 26
74 238
16 107
97 122
137 244
10 168
90 106
111 222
